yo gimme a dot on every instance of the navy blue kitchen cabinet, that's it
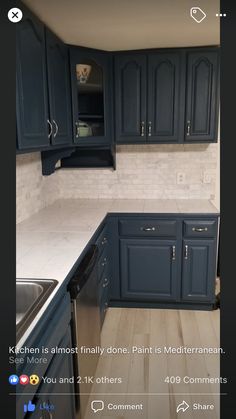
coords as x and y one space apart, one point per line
199 270
31 84
202 100
167 96
91 83
130 98
148 97
164 97
56 400
166 261
43 94
104 271
149 269
59 90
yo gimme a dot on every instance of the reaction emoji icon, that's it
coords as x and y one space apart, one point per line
34 379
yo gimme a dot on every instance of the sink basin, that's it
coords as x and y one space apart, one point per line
31 294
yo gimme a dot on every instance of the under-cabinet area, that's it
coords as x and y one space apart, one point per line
117 211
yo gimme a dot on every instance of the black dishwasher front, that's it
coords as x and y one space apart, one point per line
83 289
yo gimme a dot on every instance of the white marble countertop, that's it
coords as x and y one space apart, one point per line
49 242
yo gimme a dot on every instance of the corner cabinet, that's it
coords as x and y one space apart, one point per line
91 97
43 95
167 96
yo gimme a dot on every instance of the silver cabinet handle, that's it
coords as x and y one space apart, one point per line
77 130
188 127
50 126
106 284
148 228
104 240
142 128
104 262
173 252
199 229
149 128
56 126
185 252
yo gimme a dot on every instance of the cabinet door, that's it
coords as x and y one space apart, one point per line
199 270
59 90
202 96
91 97
59 395
130 94
31 84
163 97
149 269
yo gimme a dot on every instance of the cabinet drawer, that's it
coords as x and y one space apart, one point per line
148 228
200 228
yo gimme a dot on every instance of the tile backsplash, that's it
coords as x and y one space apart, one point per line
148 171
33 191
143 171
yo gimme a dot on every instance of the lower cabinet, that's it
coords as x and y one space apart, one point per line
104 274
149 269
199 266
53 331
56 400
169 261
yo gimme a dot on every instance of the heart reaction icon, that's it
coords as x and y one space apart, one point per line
24 379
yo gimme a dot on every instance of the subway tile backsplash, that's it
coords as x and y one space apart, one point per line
33 191
147 171
143 171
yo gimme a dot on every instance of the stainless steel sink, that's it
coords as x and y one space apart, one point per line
31 294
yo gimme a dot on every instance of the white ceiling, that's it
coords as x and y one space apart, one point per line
129 24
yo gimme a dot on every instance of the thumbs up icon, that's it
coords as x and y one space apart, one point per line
30 407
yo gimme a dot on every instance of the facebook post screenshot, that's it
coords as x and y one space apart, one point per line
119 291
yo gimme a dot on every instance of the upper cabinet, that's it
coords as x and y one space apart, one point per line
59 89
202 96
163 97
167 96
43 104
31 84
91 97
130 97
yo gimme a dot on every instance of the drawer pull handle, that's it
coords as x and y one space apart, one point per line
106 284
199 229
173 252
148 228
104 240
186 252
